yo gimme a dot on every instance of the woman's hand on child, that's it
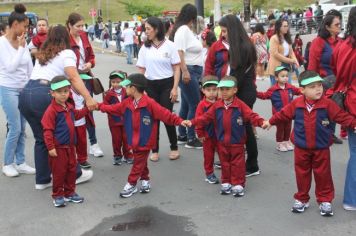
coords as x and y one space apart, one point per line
52 153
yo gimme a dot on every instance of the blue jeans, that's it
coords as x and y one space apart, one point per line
129 51
90 128
15 139
33 102
190 98
350 181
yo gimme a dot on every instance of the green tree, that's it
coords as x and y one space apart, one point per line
143 8
258 4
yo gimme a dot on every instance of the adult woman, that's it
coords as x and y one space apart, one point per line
234 54
54 58
280 49
321 50
260 39
159 60
85 60
344 57
190 52
15 70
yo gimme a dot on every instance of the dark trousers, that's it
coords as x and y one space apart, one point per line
33 102
160 91
316 161
63 168
139 170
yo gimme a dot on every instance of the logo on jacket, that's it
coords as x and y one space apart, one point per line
146 120
239 120
325 122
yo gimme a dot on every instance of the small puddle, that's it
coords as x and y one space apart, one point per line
144 221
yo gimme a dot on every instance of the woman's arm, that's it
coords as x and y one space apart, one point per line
78 85
185 73
176 77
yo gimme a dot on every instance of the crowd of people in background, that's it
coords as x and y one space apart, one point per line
216 68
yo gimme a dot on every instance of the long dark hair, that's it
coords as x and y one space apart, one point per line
323 32
156 24
57 41
18 14
73 18
277 28
242 52
187 14
259 28
351 27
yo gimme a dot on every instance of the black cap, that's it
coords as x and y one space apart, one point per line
138 80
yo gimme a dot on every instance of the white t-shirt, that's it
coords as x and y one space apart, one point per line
158 60
128 36
15 65
185 40
55 66
79 104
82 54
286 48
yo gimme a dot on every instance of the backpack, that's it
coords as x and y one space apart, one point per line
106 35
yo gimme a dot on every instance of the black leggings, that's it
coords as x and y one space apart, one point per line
160 91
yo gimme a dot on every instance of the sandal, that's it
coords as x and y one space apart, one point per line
154 157
174 155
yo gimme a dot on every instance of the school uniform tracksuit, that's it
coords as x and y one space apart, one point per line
209 144
140 121
59 133
312 136
280 98
229 123
119 140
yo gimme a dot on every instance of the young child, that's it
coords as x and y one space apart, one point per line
40 37
60 139
78 102
312 137
229 116
116 94
281 94
206 133
140 117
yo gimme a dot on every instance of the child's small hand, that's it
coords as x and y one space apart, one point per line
186 123
52 153
266 125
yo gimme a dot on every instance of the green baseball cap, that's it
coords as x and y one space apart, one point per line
280 68
117 74
226 84
85 77
60 84
125 82
210 82
307 81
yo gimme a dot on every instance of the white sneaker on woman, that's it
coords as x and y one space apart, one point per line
86 176
25 169
96 150
10 171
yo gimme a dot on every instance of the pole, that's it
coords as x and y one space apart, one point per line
200 7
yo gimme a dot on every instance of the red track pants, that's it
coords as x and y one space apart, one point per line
283 131
318 161
119 142
232 160
139 168
63 168
209 148
81 147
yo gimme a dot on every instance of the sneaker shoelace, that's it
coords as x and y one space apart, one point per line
326 206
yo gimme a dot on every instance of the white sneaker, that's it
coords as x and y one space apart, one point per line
43 186
10 171
349 207
281 147
25 169
289 145
96 150
86 176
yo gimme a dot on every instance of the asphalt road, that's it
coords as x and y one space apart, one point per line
180 202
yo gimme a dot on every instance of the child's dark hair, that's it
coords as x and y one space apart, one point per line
210 38
209 78
57 79
276 73
230 77
18 14
139 81
306 75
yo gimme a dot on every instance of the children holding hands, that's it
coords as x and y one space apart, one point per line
312 136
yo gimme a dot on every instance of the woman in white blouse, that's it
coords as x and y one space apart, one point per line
15 70
159 60
54 58
190 50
